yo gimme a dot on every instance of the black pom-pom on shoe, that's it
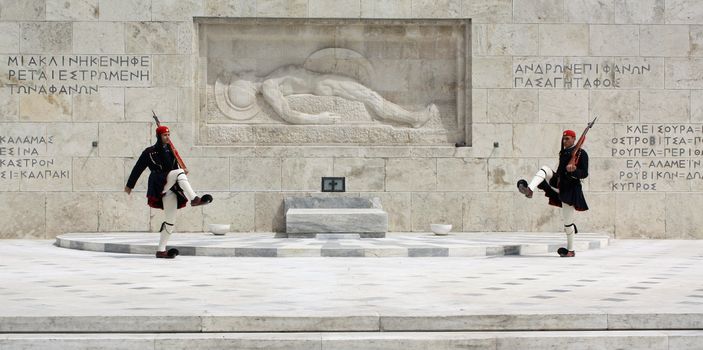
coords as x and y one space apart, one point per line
173 252
524 189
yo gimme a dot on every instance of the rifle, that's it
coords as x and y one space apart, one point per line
575 154
173 148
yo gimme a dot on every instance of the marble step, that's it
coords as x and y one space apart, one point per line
642 340
368 322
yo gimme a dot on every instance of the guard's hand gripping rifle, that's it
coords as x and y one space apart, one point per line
173 148
575 154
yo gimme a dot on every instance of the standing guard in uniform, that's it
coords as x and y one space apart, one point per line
168 187
563 187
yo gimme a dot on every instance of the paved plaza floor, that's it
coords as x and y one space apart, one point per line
628 285
629 276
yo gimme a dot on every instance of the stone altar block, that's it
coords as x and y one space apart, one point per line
309 216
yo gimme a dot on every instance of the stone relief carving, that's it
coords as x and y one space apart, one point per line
330 72
236 98
341 61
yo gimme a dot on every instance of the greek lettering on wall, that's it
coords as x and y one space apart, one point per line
22 158
577 75
657 157
74 75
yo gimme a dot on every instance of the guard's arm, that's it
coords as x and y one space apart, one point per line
137 171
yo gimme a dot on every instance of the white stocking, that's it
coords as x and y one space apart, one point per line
170 201
185 186
567 214
543 174
178 175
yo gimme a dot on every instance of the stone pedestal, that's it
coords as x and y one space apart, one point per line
306 217
308 222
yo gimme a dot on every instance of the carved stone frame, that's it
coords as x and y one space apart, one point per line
206 134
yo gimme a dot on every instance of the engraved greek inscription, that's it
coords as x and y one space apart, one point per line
74 75
575 75
657 156
21 158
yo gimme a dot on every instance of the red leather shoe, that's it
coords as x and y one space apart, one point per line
164 255
564 253
205 199
167 254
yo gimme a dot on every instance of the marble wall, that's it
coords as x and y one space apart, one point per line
79 79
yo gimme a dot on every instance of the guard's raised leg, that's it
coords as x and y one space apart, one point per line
189 193
543 175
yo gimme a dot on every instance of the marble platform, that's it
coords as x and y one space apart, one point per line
394 245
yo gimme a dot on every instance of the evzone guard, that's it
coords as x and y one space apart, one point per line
563 186
168 186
